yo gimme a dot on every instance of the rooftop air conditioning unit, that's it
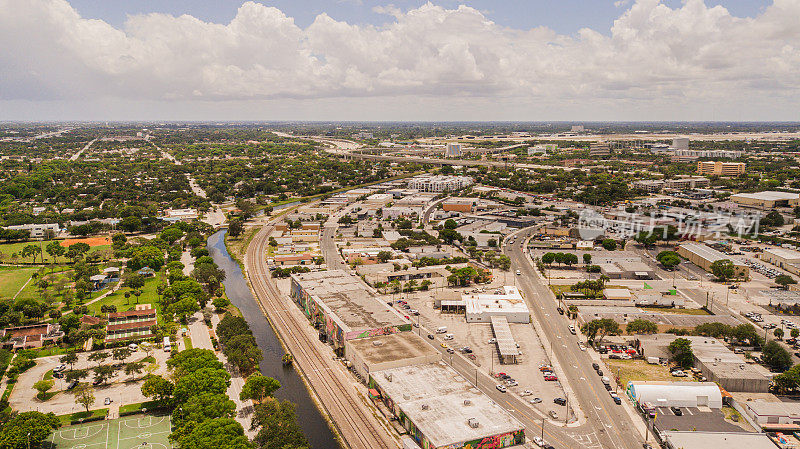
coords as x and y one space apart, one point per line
467 402
473 423
425 407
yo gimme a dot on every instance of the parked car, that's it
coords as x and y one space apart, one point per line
538 441
535 400
501 388
553 414
59 368
107 401
616 399
595 366
512 383
676 411
560 401
551 378
430 336
678 373
560 310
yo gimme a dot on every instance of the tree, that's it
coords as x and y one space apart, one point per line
278 426
640 326
84 395
171 234
384 256
723 269
204 380
230 326
76 374
774 356
121 353
548 258
778 333
258 387
98 357
133 368
28 430
450 224
183 308
43 386
450 235
54 249
221 433
773 219
158 388
795 332
191 360
587 259
600 327
669 259
133 281
103 372
609 244
69 358
784 280
681 350
202 407
243 352
235 228
789 380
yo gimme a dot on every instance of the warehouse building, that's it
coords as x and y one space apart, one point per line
767 199
704 256
703 440
383 352
343 308
787 259
441 409
715 361
774 414
676 394
480 307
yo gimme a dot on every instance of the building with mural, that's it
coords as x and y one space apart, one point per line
342 307
441 410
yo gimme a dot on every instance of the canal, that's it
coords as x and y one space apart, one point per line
292 387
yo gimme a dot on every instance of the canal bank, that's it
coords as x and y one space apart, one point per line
311 420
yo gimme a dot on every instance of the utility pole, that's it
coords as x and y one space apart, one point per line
543 429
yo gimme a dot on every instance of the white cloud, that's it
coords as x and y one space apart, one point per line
653 57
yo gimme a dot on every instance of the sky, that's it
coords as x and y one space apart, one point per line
225 60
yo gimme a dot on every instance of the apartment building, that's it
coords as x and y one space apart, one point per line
720 168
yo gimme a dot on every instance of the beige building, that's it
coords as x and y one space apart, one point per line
787 259
703 256
767 199
720 168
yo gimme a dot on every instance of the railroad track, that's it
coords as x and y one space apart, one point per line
358 428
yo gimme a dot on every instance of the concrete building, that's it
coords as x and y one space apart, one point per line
383 352
687 182
680 143
720 168
788 259
439 183
650 186
342 307
37 231
766 199
441 409
437 275
599 149
458 204
768 414
180 215
453 150
480 307
675 394
131 324
703 256
703 440
716 362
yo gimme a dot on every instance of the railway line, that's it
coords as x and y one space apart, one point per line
353 420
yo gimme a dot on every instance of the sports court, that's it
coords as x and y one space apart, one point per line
137 431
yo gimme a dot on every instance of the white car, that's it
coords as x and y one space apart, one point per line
526 393
501 388
539 441
519 272
678 373
59 368
535 400
492 341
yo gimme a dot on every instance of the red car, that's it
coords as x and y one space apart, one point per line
550 378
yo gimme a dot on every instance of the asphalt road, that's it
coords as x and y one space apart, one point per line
607 421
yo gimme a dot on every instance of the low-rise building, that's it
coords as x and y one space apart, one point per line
131 324
480 307
687 182
180 215
675 394
766 199
439 183
31 336
788 259
293 259
703 440
774 414
383 352
704 256
458 204
37 230
442 410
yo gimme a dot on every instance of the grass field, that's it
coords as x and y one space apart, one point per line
641 370
138 431
8 249
12 279
149 295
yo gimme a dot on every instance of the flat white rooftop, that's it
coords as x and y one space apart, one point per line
441 404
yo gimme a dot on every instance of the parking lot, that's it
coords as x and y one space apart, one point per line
119 388
530 381
694 419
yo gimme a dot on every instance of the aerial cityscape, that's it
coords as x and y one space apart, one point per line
419 225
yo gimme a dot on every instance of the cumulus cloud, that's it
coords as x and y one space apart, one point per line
652 53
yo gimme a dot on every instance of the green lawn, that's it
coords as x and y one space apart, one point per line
12 279
149 295
7 249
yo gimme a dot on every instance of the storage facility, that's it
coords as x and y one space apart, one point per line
703 256
676 394
441 409
704 440
767 199
384 352
481 307
788 259
774 414
343 308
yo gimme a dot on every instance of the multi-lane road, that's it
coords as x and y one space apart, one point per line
608 425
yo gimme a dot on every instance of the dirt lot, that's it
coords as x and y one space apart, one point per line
641 370
91 241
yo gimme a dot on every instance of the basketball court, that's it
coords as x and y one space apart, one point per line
130 432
